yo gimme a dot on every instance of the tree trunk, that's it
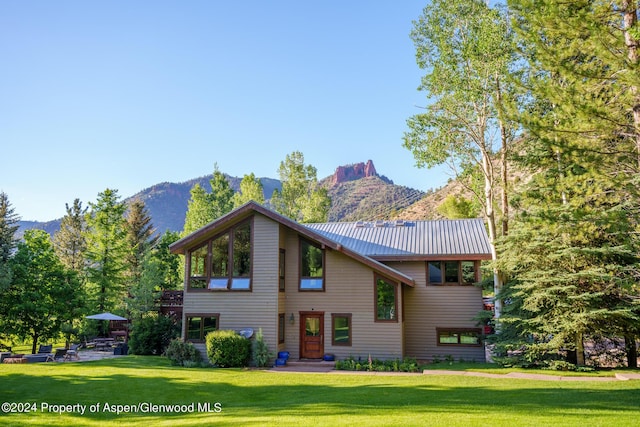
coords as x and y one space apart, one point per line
630 18
580 349
503 161
34 346
631 350
491 223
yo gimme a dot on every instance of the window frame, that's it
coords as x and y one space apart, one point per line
300 261
282 270
349 341
282 328
443 274
202 316
459 331
395 285
223 283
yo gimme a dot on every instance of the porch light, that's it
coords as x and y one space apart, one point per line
292 319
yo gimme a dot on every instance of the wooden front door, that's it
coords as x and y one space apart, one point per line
311 334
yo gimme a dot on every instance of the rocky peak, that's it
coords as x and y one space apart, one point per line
353 172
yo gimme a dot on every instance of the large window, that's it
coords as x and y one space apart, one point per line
224 262
386 297
199 325
341 329
311 266
199 266
452 272
458 337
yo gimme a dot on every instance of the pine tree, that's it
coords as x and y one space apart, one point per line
69 241
106 251
140 239
8 228
573 257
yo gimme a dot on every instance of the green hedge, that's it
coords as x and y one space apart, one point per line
228 349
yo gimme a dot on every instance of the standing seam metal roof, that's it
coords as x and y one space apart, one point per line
413 238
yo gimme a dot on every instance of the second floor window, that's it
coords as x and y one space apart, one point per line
224 262
311 266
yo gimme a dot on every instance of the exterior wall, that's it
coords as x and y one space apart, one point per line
349 288
428 307
255 309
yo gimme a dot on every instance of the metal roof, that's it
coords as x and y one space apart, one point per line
398 239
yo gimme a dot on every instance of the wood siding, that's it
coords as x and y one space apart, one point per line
255 309
428 307
349 288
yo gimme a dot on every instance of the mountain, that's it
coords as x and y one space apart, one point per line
357 191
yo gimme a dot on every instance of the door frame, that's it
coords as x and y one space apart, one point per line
303 316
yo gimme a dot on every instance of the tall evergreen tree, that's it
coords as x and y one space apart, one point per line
574 257
69 241
106 251
140 239
301 199
8 227
250 189
44 294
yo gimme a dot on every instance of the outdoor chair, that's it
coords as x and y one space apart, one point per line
72 352
60 354
45 349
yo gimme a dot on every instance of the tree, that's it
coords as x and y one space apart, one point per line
573 263
69 241
467 49
583 71
205 207
8 227
457 207
44 294
301 198
167 263
106 251
250 189
582 145
140 239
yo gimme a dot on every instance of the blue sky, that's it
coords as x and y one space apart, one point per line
124 95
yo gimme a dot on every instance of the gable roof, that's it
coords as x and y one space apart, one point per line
411 240
249 208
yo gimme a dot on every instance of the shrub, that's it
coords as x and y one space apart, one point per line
227 349
152 334
260 351
183 354
375 365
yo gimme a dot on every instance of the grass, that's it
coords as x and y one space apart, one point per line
492 368
248 397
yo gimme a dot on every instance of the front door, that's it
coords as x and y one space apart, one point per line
311 334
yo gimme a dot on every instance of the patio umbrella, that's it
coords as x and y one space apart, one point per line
105 316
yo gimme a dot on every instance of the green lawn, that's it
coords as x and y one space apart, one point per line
284 399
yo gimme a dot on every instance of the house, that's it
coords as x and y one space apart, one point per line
389 289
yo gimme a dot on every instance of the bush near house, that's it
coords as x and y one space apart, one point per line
182 353
228 349
375 365
152 334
